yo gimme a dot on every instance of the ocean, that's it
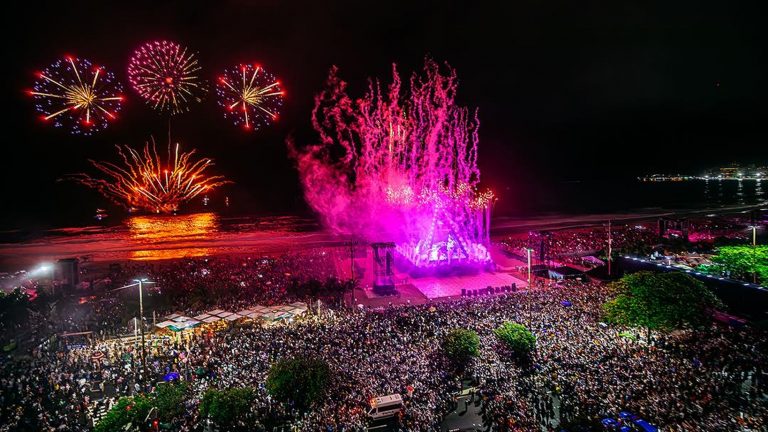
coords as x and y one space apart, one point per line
565 204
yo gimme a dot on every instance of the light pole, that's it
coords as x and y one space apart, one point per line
754 250
754 235
140 282
610 248
352 259
45 268
529 266
352 244
53 284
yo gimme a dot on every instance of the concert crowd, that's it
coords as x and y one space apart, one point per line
580 371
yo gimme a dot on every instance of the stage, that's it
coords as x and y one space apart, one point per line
434 287
411 288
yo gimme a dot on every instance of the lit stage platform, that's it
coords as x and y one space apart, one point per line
450 286
410 288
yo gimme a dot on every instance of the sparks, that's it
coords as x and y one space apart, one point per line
165 74
403 168
250 96
73 93
145 181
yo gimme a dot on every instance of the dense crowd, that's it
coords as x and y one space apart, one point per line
194 285
569 246
581 369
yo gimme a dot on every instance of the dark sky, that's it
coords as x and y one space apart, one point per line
566 89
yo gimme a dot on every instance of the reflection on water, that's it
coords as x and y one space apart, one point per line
153 233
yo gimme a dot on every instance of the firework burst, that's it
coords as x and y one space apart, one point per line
146 182
165 74
250 96
400 166
74 93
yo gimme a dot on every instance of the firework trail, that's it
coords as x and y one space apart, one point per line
400 167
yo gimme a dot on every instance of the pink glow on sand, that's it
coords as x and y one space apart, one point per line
400 166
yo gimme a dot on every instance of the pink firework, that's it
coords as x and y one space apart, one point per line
165 74
400 167
250 96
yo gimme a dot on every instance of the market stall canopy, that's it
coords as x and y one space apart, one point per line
295 311
184 325
276 315
300 305
215 312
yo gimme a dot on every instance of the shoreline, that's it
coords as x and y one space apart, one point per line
117 244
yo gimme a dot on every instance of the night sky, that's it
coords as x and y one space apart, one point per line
566 90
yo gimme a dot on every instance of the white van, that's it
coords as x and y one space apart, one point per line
385 406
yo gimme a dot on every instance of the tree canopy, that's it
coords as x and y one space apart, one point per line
228 408
167 398
301 381
127 410
660 301
516 337
741 262
461 344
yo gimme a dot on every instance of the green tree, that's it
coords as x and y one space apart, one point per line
743 262
516 337
127 410
461 344
229 408
660 301
169 400
298 380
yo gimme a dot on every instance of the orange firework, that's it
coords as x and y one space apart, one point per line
146 182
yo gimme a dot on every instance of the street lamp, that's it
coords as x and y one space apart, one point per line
45 268
140 282
529 250
610 248
754 250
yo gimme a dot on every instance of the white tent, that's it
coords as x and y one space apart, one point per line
276 315
254 315
296 311
190 323
300 305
